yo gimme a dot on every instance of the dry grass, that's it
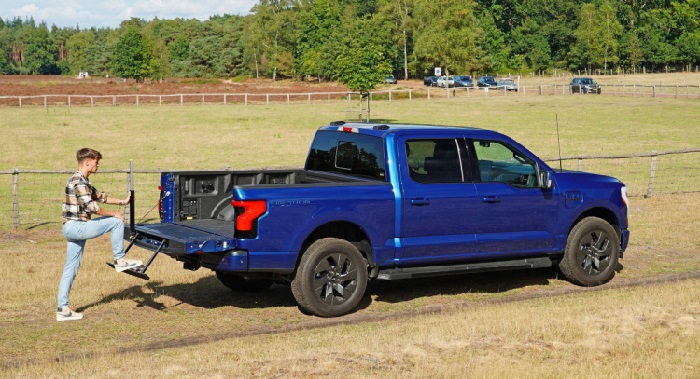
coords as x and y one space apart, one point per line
640 332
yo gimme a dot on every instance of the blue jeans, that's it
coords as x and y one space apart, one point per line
77 233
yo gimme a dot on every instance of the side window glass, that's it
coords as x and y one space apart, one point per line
504 164
434 161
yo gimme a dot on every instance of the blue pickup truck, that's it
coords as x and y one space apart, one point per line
386 202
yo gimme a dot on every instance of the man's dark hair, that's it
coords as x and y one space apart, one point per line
88 153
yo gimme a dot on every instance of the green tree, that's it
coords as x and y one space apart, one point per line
80 48
446 35
400 14
596 37
270 38
318 38
496 52
40 52
132 55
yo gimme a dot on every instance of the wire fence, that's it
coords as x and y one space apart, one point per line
634 90
31 199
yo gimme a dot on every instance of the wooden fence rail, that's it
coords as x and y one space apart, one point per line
675 91
36 195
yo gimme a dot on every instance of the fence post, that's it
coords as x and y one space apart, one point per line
540 90
410 94
15 198
651 176
68 101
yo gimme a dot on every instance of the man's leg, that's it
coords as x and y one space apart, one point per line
74 256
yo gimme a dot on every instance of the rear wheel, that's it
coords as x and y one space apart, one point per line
592 253
241 283
331 278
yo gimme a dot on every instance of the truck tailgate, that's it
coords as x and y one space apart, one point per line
186 237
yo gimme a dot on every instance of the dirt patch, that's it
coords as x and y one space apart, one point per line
35 85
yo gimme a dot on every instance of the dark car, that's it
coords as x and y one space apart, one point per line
390 79
584 85
486 81
429 80
463 81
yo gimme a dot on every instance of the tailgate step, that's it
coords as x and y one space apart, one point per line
138 271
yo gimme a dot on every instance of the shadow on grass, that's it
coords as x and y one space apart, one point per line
209 293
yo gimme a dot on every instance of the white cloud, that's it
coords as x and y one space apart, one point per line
110 13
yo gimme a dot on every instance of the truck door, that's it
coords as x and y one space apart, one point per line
438 201
515 215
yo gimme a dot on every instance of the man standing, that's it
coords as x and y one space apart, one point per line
81 202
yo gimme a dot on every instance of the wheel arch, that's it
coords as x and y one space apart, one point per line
344 230
604 214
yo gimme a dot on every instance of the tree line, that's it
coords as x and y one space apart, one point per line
330 39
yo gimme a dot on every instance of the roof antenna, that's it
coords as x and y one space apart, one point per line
556 116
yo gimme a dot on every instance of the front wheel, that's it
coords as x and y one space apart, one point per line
331 278
592 253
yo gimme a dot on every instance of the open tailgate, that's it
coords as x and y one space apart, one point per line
185 237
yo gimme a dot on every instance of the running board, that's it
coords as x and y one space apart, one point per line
428 271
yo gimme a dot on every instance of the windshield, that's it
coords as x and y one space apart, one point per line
347 153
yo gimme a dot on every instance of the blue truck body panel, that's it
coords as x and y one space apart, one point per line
407 218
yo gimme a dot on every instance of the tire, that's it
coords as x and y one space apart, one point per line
592 253
331 278
240 283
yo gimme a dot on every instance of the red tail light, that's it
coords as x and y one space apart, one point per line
252 209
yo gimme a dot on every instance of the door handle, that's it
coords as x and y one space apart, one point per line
491 199
422 201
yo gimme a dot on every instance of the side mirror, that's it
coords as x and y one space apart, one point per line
546 179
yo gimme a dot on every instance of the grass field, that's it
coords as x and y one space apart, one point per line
511 324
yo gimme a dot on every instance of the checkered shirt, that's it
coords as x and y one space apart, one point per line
81 199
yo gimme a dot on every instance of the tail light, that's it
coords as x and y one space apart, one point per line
247 212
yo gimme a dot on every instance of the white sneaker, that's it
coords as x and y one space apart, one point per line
126 263
66 314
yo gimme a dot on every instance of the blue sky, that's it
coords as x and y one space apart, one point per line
100 13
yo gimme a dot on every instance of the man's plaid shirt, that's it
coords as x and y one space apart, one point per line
81 199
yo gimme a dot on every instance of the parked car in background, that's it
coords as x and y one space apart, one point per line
507 84
584 85
486 81
390 79
441 81
430 81
463 81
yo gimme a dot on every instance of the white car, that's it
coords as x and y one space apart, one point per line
441 82
507 84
